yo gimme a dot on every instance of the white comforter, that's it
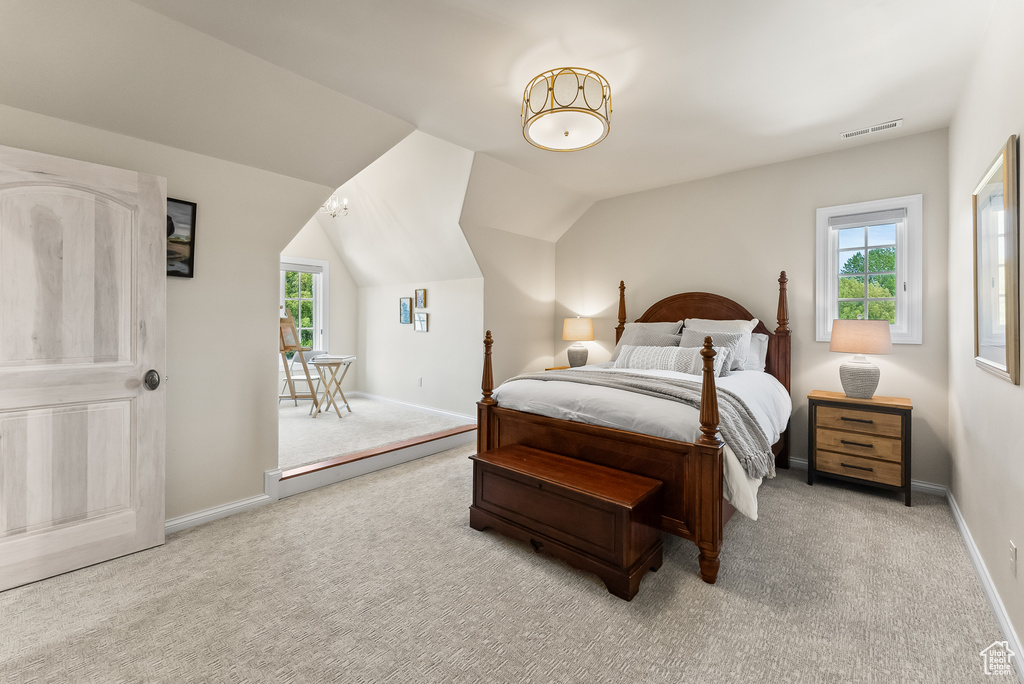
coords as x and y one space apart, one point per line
767 398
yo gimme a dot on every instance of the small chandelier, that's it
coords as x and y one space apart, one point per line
567 109
335 207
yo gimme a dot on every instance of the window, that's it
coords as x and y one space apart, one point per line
869 266
304 287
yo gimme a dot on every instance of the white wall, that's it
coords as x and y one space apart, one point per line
985 413
733 234
221 325
448 357
342 296
519 299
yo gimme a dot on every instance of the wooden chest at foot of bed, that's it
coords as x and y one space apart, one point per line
598 519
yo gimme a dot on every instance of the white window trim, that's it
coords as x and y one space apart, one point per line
909 236
323 308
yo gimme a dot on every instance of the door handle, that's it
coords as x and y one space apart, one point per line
152 380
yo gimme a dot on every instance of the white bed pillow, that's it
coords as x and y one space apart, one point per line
758 353
678 359
708 325
731 341
649 335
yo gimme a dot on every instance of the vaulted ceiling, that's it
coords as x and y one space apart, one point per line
698 88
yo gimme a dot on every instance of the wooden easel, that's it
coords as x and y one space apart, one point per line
290 342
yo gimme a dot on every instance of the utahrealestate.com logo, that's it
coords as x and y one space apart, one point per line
998 659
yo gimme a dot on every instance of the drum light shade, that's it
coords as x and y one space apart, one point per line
578 330
860 377
567 109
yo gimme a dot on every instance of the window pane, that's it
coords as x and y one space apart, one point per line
851 310
851 262
851 287
307 285
881 260
291 284
882 235
882 286
293 309
851 238
882 311
307 314
307 337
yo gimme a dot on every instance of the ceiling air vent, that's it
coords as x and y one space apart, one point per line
872 129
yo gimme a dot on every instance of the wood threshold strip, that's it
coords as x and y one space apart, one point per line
369 453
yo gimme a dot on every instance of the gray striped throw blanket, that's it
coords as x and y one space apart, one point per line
737 423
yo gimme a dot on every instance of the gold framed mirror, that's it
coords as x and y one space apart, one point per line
996 343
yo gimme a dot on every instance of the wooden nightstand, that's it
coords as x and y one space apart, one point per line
859 440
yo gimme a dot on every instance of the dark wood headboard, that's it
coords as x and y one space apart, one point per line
679 307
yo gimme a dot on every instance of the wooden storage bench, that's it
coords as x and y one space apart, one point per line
595 518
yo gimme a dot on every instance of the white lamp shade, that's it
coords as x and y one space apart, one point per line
578 329
860 337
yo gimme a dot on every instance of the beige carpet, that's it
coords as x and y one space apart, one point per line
372 423
380 579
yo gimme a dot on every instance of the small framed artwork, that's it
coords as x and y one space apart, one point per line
405 310
420 323
421 299
181 238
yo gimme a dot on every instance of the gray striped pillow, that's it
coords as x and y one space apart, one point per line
678 359
649 335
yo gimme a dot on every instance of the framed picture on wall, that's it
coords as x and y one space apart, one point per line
421 299
420 324
405 310
181 238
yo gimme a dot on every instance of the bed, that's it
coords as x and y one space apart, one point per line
693 505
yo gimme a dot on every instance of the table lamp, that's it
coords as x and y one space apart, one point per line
577 329
859 376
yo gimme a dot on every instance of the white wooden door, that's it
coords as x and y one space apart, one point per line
82 321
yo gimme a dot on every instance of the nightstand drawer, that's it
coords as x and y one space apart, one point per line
885 472
888 424
871 446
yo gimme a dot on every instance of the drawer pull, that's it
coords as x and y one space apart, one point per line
857 420
860 444
847 465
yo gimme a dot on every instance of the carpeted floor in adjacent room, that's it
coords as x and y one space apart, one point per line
380 579
371 423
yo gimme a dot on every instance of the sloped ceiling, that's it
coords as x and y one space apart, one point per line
506 198
699 88
402 224
114 65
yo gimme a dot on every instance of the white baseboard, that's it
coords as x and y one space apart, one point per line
345 471
415 407
275 488
989 587
217 512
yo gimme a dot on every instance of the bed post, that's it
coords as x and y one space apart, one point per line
622 311
708 464
783 351
782 334
483 407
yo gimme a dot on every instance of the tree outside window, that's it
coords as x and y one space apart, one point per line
867 286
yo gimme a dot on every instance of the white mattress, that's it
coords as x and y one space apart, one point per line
767 398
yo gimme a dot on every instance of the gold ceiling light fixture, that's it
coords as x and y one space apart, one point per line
567 109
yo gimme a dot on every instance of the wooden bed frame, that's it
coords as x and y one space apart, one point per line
692 504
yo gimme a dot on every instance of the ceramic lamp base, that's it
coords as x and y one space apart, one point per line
859 379
577 355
